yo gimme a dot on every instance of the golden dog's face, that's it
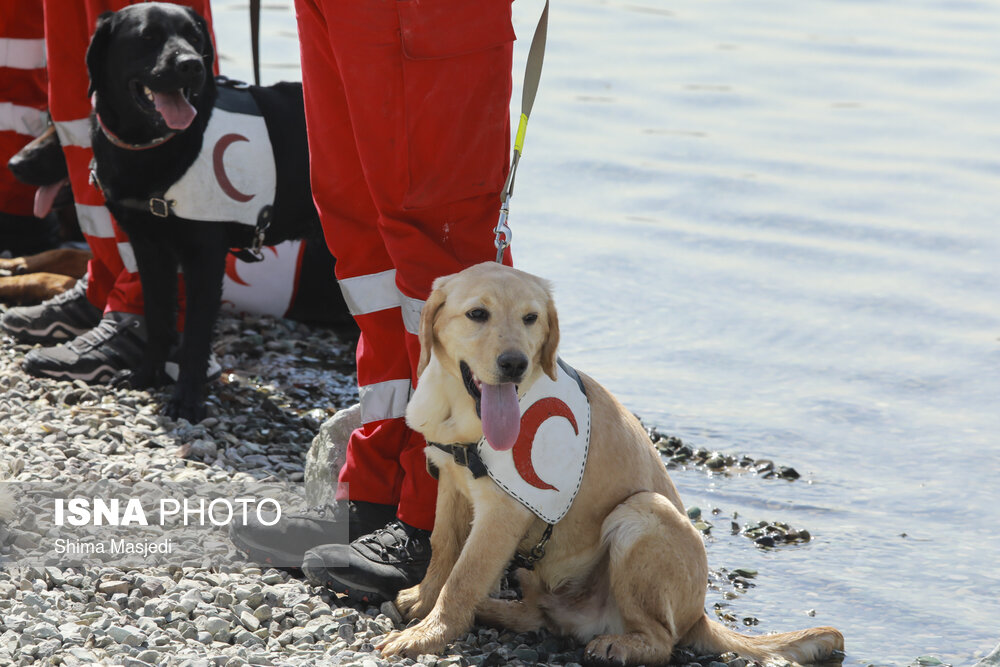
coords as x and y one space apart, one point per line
494 327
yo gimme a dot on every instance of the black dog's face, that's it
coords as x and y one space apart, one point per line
148 64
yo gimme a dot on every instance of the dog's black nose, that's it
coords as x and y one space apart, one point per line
190 66
512 365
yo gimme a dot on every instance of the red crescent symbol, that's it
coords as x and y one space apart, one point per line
231 271
533 418
220 171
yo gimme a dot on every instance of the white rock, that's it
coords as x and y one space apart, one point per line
327 455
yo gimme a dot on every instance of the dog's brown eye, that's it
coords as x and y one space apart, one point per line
530 318
478 315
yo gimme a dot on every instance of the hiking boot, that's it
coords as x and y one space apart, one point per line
373 568
115 345
286 542
62 318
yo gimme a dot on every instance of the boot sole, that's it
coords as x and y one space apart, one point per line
317 572
263 555
100 375
54 335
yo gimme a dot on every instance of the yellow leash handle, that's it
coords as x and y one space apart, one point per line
522 128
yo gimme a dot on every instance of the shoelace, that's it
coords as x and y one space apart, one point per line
396 547
74 292
102 333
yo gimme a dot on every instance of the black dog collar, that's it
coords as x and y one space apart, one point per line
465 455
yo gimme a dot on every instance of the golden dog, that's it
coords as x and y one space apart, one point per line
34 279
624 569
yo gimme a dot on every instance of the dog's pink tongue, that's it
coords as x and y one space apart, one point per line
177 112
45 196
501 415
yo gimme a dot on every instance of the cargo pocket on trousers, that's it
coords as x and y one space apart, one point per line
456 81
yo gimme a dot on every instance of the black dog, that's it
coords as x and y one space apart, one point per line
40 162
162 167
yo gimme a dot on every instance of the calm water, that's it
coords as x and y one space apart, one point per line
772 228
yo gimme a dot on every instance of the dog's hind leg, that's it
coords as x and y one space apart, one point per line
658 574
450 532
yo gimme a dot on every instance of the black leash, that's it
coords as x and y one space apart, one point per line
255 38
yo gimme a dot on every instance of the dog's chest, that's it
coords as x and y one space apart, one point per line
544 469
234 177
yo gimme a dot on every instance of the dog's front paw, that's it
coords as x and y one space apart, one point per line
182 406
413 603
617 651
144 378
424 637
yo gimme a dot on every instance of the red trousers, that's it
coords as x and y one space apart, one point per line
22 95
114 282
407 108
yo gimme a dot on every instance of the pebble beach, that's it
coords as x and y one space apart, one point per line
281 381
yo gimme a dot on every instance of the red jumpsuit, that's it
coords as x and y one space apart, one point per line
407 109
114 283
22 95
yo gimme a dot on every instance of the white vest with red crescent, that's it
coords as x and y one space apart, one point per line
544 469
234 175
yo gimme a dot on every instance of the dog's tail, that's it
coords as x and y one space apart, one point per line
802 647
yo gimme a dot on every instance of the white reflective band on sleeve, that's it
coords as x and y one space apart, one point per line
411 313
74 132
23 120
384 400
22 53
95 221
371 293
127 254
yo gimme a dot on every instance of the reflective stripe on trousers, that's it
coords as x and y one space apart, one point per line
377 291
74 132
384 400
21 119
22 53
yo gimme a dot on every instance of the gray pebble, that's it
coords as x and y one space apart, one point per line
127 635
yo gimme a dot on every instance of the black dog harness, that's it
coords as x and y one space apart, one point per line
205 191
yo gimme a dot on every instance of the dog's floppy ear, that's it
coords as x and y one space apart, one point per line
208 48
550 346
97 51
428 315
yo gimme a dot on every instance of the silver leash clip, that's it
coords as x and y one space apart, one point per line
503 231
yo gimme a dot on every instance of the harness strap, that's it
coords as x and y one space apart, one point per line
161 207
465 455
537 552
253 254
